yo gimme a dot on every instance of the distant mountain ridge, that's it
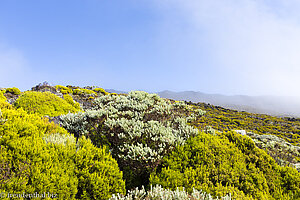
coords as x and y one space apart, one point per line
116 91
272 105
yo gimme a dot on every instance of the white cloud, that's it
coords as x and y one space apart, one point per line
255 42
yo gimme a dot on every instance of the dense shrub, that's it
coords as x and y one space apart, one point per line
64 89
31 165
225 164
98 173
38 156
70 100
13 90
157 192
2 97
84 92
44 103
139 128
4 104
100 90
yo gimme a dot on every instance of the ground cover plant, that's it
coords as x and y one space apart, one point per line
169 149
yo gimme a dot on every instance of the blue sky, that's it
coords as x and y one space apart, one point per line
249 47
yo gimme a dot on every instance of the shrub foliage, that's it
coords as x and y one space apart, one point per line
13 90
154 141
139 128
44 103
38 156
64 89
70 100
158 192
228 163
223 119
2 97
100 90
98 173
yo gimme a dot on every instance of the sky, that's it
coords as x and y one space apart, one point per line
248 47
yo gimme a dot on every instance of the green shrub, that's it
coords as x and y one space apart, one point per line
2 97
98 173
139 128
38 156
30 164
225 164
44 103
3 103
64 89
84 92
6 105
13 90
100 90
70 100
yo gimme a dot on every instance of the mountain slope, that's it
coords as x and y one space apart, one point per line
273 105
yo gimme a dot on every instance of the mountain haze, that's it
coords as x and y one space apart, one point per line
273 105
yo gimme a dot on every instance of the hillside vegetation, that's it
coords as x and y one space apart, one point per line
225 119
86 143
280 137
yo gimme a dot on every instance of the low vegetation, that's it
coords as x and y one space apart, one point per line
223 119
64 89
158 192
139 128
100 90
38 156
227 163
14 90
45 103
105 143
280 137
2 97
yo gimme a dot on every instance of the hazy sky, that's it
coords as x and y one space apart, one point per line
249 47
